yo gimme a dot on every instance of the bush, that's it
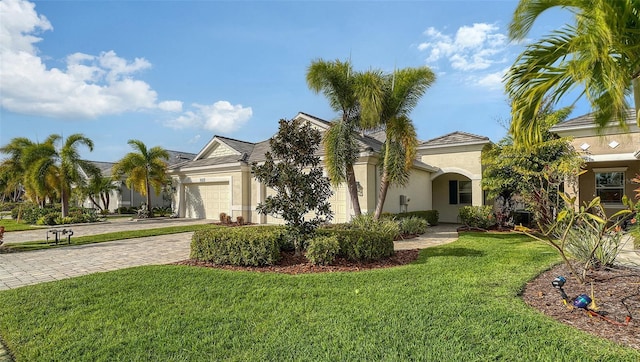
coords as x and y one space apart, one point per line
30 213
48 219
413 225
432 216
246 246
322 250
584 238
126 210
477 216
162 211
387 227
361 245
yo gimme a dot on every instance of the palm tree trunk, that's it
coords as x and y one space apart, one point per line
636 97
93 201
148 194
353 190
64 197
384 186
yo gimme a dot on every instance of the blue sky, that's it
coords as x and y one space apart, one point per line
176 73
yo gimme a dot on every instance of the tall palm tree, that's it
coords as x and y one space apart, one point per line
57 169
599 52
354 96
402 91
144 168
12 168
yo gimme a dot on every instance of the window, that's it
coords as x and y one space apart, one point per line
459 192
610 186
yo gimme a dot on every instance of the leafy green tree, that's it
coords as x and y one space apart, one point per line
99 188
401 92
145 168
356 96
293 170
536 173
600 52
50 168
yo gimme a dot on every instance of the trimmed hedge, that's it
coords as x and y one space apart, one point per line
322 250
361 245
432 216
246 246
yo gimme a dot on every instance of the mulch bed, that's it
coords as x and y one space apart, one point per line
617 296
616 291
292 264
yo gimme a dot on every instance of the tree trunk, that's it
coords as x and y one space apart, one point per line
148 195
636 97
93 201
384 186
105 200
353 190
65 202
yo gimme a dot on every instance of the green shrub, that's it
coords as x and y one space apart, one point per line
48 219
584 239
126 210
387 227
432 216
244 246
322 250
30 213
477 216
65 220
413 225
361 245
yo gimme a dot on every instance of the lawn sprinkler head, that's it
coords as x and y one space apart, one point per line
582 301
558 282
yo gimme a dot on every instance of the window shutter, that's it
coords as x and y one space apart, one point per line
453 192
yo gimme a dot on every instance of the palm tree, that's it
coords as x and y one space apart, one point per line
144 168
100 187
12 168
49 169
354 96
402 91
600 52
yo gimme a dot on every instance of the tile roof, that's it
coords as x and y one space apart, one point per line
588 121
240 146
455 139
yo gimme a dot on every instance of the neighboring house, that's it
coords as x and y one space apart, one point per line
218 180
126 197
612 158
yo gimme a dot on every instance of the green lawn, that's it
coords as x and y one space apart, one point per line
92 239
457 302
12 225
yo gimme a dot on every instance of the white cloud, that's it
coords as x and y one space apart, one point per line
220 116
491 80
195 139
472 48
89 87
170 106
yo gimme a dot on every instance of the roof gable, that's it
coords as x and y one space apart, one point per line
455 139
220 146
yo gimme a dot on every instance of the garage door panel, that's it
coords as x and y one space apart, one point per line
207 200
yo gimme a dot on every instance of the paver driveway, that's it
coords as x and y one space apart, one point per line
19 269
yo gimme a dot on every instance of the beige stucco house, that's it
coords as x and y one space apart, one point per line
612 158
445 176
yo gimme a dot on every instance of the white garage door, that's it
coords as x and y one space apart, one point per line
207 201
